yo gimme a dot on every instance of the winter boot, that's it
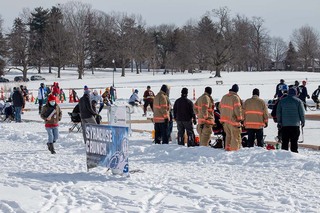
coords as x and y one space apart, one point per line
52 149
49 147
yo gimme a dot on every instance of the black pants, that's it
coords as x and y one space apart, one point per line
161 132
290 134
40 104
188 127
145 105
255 134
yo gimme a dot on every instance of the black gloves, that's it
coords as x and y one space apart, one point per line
302 125
166 121
201 126
265 125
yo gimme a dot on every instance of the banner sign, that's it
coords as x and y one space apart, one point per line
107 146
118 116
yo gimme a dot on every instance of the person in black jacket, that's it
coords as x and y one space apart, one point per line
304 94
184 115
18 103
87 114
315 96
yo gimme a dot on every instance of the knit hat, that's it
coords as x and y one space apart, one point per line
292 92
85 87
136 91
184 91
51 98
256 92
208 90
235 88
164 88
281 81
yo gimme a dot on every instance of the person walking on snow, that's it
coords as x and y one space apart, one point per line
18 103
255 118
51 114
203 108
231 118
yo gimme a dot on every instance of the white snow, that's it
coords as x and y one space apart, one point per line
168 178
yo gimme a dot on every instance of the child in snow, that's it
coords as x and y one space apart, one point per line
51 114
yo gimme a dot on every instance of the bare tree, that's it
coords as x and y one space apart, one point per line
278 52
3 50
259 42
76 16
306 39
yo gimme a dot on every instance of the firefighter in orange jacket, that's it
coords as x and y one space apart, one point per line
255 118
203 108
231 118
161 115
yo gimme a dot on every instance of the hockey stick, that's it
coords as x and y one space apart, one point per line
302 136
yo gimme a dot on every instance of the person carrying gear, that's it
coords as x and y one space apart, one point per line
148 97
134 99
279 89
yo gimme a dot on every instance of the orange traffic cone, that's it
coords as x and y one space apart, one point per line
70 97
32 97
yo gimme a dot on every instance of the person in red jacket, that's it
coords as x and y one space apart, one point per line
148 97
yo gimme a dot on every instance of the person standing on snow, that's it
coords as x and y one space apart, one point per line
161 115
204 107
18 103
231 118
41 96
290 115
87 114
148 97
304 94
255 118
98 99
183 113
279 89
51 114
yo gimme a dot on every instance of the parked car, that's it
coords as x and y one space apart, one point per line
2 79
37 77
19 78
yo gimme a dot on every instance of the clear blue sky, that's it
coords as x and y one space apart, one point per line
281 16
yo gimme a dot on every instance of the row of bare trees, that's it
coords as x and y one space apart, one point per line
75 34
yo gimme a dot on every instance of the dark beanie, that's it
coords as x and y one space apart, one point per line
164 88
292 92
208 90
184 91
235 88
256 92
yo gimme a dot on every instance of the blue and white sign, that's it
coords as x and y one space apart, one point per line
107 146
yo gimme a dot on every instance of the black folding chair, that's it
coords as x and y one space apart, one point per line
76 122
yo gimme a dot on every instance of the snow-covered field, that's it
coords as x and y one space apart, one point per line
169 178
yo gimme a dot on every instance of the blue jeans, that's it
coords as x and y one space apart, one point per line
17 115
53 134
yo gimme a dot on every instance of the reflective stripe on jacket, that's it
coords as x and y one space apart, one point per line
255 113
231 109
203 107
160 107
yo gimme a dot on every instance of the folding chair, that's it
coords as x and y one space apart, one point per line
76 122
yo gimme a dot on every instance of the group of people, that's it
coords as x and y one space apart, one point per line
233 116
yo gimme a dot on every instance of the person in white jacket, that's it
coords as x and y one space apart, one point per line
134 99
42 95
96 97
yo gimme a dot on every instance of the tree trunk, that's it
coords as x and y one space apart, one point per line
123 66
59 68
137 67
218 72
50 71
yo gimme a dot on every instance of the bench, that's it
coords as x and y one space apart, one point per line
219 82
